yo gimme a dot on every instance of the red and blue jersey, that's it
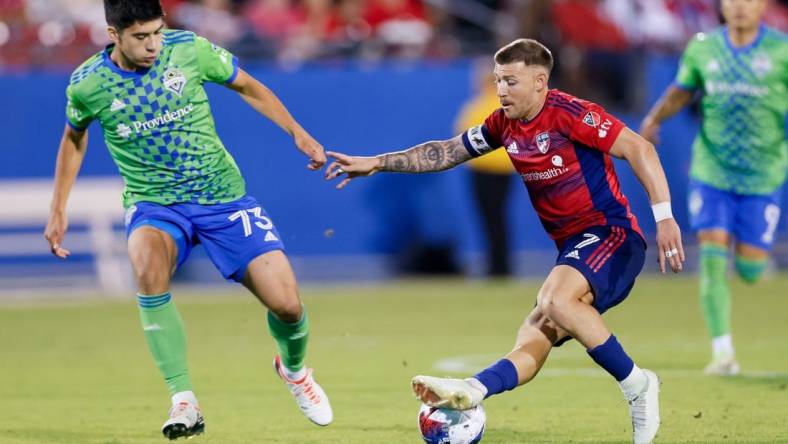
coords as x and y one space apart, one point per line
562 156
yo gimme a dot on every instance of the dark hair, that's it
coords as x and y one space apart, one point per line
121 14
528 51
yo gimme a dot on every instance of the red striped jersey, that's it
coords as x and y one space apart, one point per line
562 156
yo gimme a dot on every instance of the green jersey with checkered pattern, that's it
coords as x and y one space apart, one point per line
157 122
741 145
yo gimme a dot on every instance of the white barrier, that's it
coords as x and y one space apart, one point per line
94 202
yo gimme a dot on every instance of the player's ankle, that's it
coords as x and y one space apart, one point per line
722 346
184 396
635 383
294 375
477 385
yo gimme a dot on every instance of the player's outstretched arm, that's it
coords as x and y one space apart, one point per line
671 102
73 146
424 158
264 101
643 158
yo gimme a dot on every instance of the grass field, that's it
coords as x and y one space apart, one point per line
80 373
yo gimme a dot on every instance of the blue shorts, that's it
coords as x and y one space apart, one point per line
232 234
750 218
609 257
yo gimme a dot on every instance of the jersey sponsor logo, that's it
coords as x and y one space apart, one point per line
174 80
476 138
161 119
550 173
123 130
605 128
735 88
592 119
512 148
117 105
543 141
761 64
574 254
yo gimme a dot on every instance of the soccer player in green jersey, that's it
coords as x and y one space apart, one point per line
182 189
739 156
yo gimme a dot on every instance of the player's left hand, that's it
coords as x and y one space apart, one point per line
669 245
353 166
314 150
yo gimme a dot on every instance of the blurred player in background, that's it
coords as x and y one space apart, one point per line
491 176
739 157
182 189
561 146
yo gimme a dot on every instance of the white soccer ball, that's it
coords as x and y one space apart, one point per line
447 426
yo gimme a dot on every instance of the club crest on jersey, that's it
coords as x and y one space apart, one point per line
543 141
174 80
592 119
761 64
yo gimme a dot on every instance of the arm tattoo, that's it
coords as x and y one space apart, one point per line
427 157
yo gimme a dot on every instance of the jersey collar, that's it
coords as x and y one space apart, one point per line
740 50
129 74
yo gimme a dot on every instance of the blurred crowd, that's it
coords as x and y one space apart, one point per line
587 35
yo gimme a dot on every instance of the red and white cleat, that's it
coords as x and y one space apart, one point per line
308 394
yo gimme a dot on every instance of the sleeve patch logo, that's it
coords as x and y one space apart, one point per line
592 119
222 53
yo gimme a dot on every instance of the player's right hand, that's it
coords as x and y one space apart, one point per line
353 166
649 130
54 233
669 246
312 148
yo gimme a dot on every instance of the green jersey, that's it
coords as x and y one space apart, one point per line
157 122
741 146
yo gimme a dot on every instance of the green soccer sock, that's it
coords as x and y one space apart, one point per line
750 270
290 339
715 296
166 339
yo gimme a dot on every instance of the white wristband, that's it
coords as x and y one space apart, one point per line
662 211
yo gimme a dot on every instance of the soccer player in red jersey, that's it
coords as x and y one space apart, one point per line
562 148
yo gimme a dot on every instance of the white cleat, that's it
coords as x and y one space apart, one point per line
644 410
185 421
724 366
457 394
308 394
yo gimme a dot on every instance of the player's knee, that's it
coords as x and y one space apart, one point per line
750 270
288 310
151 270
551 304
152 280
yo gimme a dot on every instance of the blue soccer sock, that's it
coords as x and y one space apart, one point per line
612 357
498 378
